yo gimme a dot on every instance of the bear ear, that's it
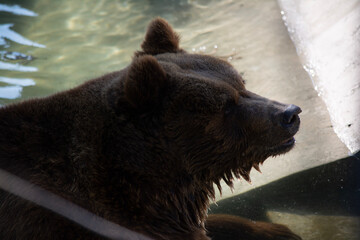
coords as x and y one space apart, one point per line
160 38
145 83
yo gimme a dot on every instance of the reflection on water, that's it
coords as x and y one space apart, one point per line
18 81
6 32
16 67
16 9
14 86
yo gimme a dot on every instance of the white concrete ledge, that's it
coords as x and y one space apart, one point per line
327 38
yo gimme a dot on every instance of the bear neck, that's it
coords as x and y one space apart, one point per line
171 207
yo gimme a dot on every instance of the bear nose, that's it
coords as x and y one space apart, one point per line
291 114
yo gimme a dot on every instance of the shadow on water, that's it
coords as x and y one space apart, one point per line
331 189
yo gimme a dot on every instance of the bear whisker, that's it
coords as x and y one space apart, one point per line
217 183
237 174
257 168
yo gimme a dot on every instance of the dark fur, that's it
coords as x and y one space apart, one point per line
142 147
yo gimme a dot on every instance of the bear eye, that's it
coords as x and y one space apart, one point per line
229 106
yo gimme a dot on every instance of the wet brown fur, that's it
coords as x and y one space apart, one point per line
142 147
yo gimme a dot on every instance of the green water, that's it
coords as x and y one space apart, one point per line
84 39
74 41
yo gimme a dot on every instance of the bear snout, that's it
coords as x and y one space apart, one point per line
290 118
290 114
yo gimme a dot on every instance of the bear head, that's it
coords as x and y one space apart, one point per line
191 122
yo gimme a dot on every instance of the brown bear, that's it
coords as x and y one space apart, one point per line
144 147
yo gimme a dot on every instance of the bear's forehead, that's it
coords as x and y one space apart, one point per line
201 67
201 83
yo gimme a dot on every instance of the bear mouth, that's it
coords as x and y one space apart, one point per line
283 147
243 172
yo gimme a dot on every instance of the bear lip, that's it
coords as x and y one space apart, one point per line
239 173
288 142
283 147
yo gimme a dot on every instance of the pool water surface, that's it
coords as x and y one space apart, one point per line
50 46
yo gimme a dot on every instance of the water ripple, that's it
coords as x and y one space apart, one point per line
17 10
6 32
